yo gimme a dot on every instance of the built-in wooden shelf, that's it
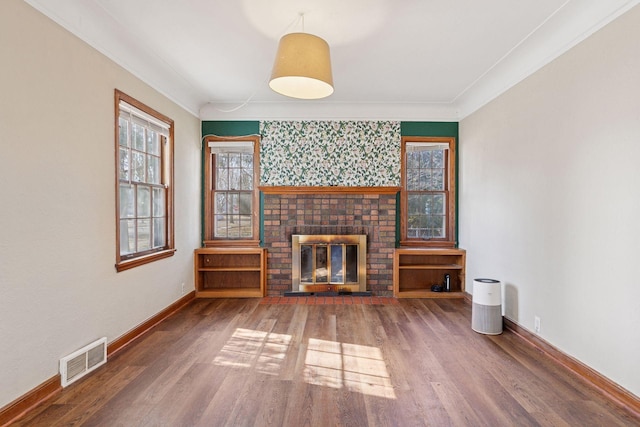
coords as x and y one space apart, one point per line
229 272
267 189
415 270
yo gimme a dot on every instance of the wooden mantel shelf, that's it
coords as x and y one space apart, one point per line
267 189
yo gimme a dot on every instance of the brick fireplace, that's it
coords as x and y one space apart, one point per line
330 210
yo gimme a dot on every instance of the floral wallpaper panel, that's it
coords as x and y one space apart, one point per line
327 153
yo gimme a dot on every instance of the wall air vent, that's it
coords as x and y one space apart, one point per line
81 362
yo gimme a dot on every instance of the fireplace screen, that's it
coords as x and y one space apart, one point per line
329 263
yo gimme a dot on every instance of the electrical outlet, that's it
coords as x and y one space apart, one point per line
536 324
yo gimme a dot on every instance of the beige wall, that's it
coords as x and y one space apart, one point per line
58 286
550 200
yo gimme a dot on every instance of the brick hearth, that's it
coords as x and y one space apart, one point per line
373 214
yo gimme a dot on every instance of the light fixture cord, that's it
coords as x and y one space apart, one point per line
231 110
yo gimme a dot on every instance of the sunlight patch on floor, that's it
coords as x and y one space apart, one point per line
263 351
354 367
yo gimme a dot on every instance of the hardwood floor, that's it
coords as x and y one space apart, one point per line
412 363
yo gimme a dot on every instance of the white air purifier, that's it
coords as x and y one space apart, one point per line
486 310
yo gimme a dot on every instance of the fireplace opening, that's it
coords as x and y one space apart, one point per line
329 263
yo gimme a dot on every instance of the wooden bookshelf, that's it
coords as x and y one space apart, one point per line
415 270
230 272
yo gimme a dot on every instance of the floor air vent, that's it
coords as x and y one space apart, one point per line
81 362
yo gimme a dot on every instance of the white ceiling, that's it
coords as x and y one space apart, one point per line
400 59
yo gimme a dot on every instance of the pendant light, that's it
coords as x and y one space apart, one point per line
302 68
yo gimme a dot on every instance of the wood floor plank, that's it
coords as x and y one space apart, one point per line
272 405
411 376
185 403
349 401
461 412
382 402
413 363
85 406
296 348
44 417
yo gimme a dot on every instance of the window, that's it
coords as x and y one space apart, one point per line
144 187
428 191
231 198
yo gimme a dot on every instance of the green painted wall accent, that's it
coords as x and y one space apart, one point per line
431 129
230 128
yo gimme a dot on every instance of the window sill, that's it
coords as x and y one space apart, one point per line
231 243
427 243
145 259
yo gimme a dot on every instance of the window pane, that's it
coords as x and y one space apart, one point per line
158 202
233 218
245 203
436 223
127 236
125 163
425 159
221 203
159 232
246 226
144 234
233 226
153 176
220 215
414 225
144 202
416 204
234 202
413 159
127 201
413 179
234 179
417 224
437 159
220 226
246 180
138 137
222 179
427 216
424 232
425 179
235 160
436 183
433 227
123 132
222 160
434 204
153 142
247 161
138 167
